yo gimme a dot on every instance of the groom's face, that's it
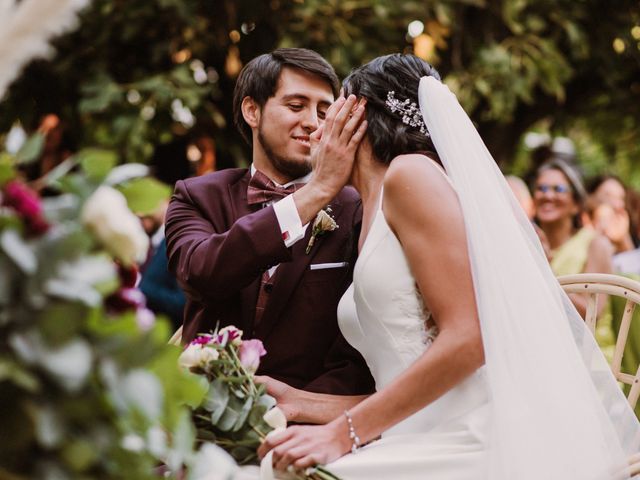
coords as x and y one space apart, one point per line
294 112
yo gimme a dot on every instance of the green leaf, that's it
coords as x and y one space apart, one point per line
256 415
183 440
97 163
7 171
181 387
49 426
244 413
216 400
79 455
267 401
31 149
243 455
140 391
70 364
145 195
18 375
231 415
19 251
61 321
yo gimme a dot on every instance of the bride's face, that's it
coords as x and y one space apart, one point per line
553 197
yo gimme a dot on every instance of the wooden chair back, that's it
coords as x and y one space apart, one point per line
593 284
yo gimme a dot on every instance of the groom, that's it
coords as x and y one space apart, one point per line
238 239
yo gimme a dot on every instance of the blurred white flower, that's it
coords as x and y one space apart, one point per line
197 355
15 139
133 442
213 463
108 217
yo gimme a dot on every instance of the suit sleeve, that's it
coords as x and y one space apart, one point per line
212 262
346 372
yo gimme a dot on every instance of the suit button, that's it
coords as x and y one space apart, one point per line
268 287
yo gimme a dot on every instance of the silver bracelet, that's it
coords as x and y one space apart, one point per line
355 439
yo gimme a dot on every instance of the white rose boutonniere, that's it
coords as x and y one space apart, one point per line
322 224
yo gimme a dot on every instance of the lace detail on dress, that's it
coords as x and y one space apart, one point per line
411 304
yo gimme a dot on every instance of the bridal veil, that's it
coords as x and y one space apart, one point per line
558 412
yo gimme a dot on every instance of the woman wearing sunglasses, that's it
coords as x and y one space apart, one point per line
559 196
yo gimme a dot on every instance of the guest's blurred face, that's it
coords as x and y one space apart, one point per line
612 193
553 197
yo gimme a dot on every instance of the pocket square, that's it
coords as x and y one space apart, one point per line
323 266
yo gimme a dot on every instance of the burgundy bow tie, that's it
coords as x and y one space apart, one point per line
262 189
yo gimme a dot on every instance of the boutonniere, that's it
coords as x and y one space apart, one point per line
322 224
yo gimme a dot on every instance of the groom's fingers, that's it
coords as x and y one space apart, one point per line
358 135
356 117
342 116
332 111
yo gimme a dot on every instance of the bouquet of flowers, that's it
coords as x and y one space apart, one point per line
236 413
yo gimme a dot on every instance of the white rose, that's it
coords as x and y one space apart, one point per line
108 217
197 356
208 354
275 419
190 357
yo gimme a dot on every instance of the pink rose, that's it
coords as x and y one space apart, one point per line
250 353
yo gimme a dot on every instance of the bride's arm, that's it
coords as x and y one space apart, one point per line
423 210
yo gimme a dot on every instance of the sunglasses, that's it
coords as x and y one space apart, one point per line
544 188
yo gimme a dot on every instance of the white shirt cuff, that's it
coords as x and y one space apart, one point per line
289 221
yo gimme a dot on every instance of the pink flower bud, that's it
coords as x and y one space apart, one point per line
250 353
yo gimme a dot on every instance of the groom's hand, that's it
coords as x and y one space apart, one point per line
333 153
284 394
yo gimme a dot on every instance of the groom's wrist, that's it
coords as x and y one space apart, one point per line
311 198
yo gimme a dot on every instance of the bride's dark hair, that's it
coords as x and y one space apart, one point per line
388 136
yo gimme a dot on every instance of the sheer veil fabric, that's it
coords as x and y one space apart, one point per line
558 412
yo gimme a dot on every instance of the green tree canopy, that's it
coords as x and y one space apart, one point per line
140 74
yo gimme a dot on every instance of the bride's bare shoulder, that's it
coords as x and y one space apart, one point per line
417 176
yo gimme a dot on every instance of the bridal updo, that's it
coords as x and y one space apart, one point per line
386 132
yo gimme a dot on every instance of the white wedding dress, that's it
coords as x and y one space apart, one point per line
545 405
383 316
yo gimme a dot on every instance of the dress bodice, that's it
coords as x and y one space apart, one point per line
383 316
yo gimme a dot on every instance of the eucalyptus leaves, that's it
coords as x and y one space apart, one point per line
233 412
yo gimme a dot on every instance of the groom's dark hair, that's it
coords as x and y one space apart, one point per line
259 78
387 134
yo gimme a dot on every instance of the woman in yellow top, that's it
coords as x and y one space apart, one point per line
559 195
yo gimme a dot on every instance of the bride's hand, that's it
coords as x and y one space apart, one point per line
307 446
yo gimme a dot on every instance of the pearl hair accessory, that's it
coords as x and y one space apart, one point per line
410 112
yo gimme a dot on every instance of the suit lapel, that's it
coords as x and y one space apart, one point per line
288 276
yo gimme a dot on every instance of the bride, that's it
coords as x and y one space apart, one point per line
483 368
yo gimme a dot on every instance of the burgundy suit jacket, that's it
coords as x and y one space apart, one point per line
219 246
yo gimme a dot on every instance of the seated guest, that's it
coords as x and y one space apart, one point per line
164 295
610 196
559 196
